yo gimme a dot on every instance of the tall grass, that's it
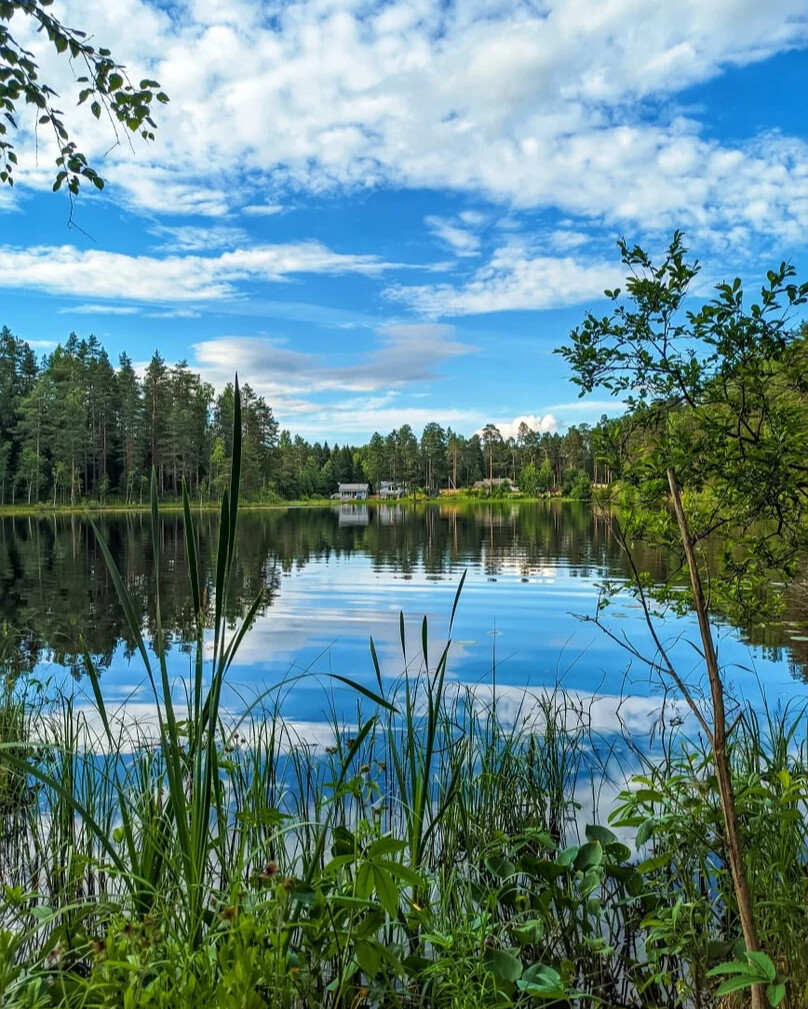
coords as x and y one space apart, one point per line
430 855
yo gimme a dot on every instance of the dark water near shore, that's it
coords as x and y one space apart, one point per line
334 576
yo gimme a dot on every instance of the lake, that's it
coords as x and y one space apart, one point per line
335 576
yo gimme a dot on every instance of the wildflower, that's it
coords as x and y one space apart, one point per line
227 914
270 869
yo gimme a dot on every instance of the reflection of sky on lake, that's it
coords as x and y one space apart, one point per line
520 621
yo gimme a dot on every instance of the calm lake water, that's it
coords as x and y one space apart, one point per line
335 576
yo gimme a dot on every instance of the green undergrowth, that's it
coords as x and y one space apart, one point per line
426 855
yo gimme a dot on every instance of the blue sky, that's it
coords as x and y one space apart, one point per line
393 212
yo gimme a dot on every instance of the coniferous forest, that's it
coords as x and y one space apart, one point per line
77 427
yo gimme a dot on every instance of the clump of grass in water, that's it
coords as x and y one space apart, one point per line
430 860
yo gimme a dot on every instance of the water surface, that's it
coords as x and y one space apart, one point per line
332 577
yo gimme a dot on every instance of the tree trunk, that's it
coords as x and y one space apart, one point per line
723 771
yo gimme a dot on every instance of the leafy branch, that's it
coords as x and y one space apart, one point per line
104 84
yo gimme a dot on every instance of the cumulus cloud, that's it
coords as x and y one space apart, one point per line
531 107
542 423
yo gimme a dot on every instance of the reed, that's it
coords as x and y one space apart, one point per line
430 854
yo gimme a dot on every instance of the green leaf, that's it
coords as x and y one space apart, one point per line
775 993
503 965
402 872
366 692
594 832
589 856
544 982
368 957
735 984
500 866
648 795
731 967
386 891
763 963
386 846
568 855
645 832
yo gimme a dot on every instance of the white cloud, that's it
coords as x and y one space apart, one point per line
531 107
399 356
8 201
98 309
542 423
166 189
474 218
459 239
514 278
361 419
190 238
67 270
567 239
586 405
175 313
263 209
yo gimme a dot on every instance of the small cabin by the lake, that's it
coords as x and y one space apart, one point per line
353 491
389 489
495 483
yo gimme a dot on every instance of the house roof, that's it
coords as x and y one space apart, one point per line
353 486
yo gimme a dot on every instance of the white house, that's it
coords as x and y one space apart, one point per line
389 489
353 491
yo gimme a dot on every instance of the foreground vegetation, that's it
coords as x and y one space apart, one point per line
430 856
427 856
432 859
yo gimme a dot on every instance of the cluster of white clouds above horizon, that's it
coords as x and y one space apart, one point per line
499 98
563 105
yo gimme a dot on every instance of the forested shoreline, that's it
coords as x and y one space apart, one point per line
75 427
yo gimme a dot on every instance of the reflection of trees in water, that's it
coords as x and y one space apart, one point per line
54 584
787 641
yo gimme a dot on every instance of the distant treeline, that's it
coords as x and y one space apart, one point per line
75 427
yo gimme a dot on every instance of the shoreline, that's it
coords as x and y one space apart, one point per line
43 510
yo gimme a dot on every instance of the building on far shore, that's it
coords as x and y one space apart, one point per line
497 482
390 489
353 492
